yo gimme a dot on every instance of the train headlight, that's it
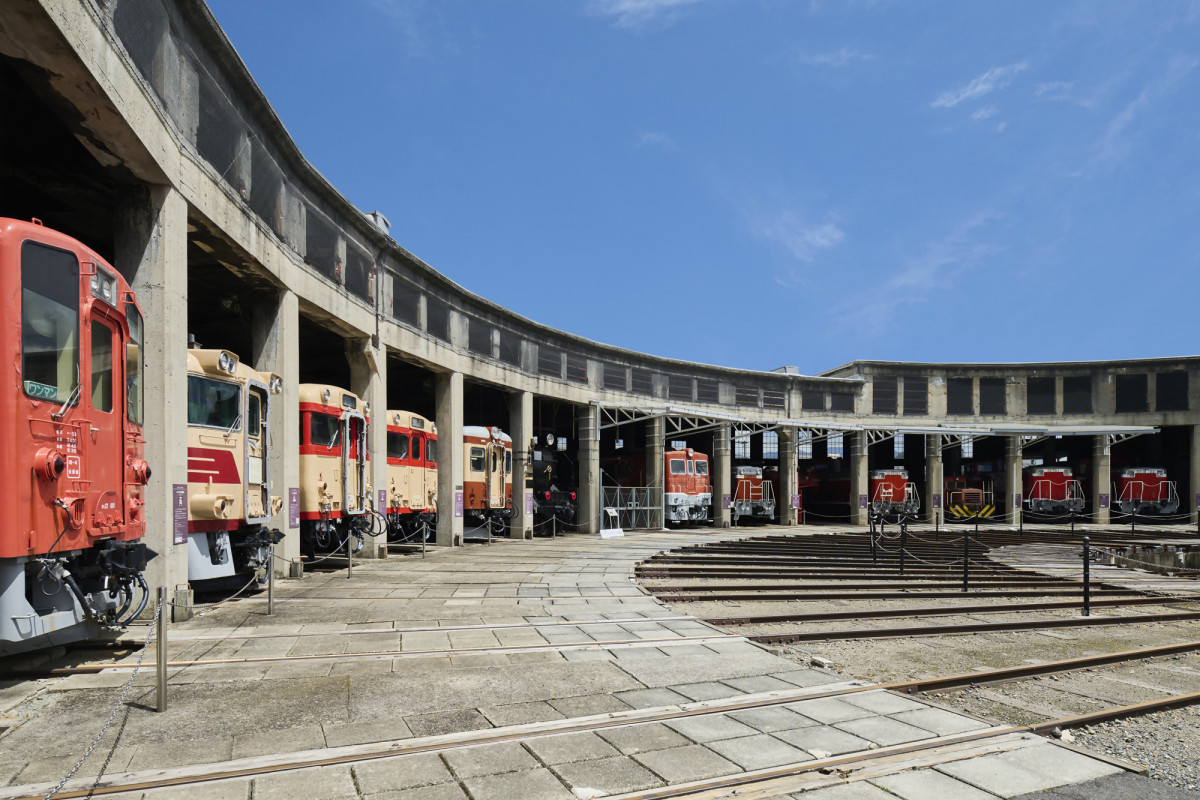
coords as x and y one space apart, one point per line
104 286
275 385
226 362
325 396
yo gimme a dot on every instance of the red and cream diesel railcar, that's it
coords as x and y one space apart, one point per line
487 478
335 488
412 475
71 554
1146 490
687 486
893 493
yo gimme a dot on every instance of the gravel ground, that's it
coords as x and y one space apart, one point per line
1168 743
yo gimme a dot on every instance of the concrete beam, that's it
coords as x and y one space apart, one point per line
520 426
449 400
151 251
589 470
368 380
722 474
275 331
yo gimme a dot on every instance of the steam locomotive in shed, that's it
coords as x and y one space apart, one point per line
555 492
71 554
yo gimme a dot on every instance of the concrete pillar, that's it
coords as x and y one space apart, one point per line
1193 498
860 477
520 426
1013 453
368 380
448 390
722 482
655 453
934 478
590 509
275 332
151 251
1101 479
789 477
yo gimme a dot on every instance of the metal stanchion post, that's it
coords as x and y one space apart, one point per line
903 543
349 556
1072 522
271 584
1087 576
554 526
872 521
161 647
966 558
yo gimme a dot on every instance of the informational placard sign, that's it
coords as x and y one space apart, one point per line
529 502
382 507
458 504
795 502
293 508
1017 500
179 514
726 501
862 501
1103 501
937 501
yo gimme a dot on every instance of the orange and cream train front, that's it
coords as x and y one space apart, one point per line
71 339
229 485
411 475
487 477
335 488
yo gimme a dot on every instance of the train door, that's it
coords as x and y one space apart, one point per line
400 472
416 471
258 485
105 448
495 475
354 463
428 500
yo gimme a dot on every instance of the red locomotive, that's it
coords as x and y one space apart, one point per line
1146 490
687 489
893 493
753 495
1052 490
971 495
70 549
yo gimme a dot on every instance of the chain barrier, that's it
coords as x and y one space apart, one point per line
202 606
154 623
335 553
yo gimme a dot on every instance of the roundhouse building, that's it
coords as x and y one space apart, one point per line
143 134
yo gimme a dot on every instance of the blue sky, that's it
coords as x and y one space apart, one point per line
755 183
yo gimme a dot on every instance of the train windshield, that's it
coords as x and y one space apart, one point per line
397 445
49 322
477 460
323 429
701 467
677 467
133 365
214 404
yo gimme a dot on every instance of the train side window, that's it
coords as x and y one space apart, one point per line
134 400
323 430
507 462
49 322
677 467
397 445
102 366
214 404
701 467
477 460
431 452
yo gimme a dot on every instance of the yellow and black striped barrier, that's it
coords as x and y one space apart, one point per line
962 512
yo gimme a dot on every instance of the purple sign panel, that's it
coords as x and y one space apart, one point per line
1103 501
1016 500
726 501
937 501
529 502
795 502
179 514
458 504
293 508
862 501
382 507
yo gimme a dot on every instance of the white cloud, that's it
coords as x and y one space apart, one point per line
658 139
1116 144
1053 90
408 16
990 81
985 112
838 58
637 15
802 238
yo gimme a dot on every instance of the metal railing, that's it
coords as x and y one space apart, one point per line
636 506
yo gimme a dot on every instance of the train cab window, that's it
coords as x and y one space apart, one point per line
477 460
214 404
677 467
416 449
102 366
495 462
324 430
701 467
431 452
397 445
134 400
49 322
689 466
507 462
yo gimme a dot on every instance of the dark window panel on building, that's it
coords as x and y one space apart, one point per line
510 348
679 388
774 398
1077 394
812 400
437 318
991 396
883 394
916 396
746 395
549 361
576 368
841 402
1171 391
708 391
360 273
1132 394
959 396
1039 396
643 382
614 377
406 302
479 337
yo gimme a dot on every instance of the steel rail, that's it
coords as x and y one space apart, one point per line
915 593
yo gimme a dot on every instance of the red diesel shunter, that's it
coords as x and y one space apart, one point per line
1146 490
